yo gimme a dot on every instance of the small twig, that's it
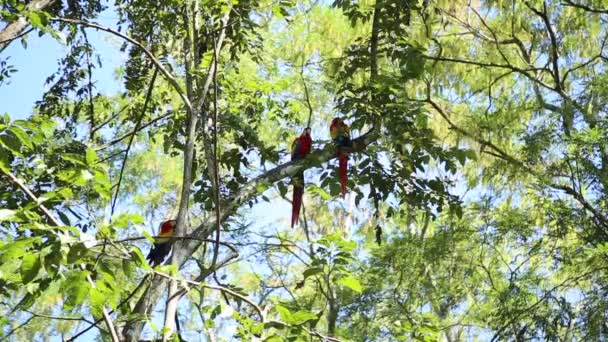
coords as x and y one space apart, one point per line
216 176
231 247
111 117
307 96
586 8
5 337
137 124
554 44
219 288
142 127
17 36
321 336
33 197
62 318
153 58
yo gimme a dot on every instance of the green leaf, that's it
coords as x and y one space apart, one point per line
22 136
74 158
4 160
282 188
274 324
11 143
91 157
148 237
77 252
98 300
312 271
303 316
30 265
38 19
139 259
76 292
14 249
351 282
285 314
312 188
27 301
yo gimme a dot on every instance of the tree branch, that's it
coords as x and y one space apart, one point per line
137 124
521 71
177 257
219 288
16 29
154 60
133 132
500 153
554 47
584 7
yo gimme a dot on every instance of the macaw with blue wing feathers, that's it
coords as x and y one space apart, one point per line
340 135
300 148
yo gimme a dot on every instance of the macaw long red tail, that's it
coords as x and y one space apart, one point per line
296 203
342 171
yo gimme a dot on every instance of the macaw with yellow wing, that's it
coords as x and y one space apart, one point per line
340 135
162 245
299 149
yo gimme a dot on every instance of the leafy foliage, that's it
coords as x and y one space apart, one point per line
477 186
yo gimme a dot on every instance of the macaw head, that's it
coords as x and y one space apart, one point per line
307 131
167 227
336 122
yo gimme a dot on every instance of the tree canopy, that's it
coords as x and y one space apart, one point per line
478 173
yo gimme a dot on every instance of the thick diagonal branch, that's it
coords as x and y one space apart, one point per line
229 206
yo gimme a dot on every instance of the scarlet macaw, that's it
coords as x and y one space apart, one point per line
299 149
162 245
340 134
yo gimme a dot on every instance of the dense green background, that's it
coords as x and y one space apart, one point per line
477 183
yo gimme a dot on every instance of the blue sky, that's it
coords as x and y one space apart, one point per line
39 60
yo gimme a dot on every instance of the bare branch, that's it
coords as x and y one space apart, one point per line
219 288
137 124
584 7
153 58
176 257
133 132
554 47
524 72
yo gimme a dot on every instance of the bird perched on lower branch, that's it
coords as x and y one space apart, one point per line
162 245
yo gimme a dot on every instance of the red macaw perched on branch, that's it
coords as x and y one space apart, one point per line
299 149
162 245
340 134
